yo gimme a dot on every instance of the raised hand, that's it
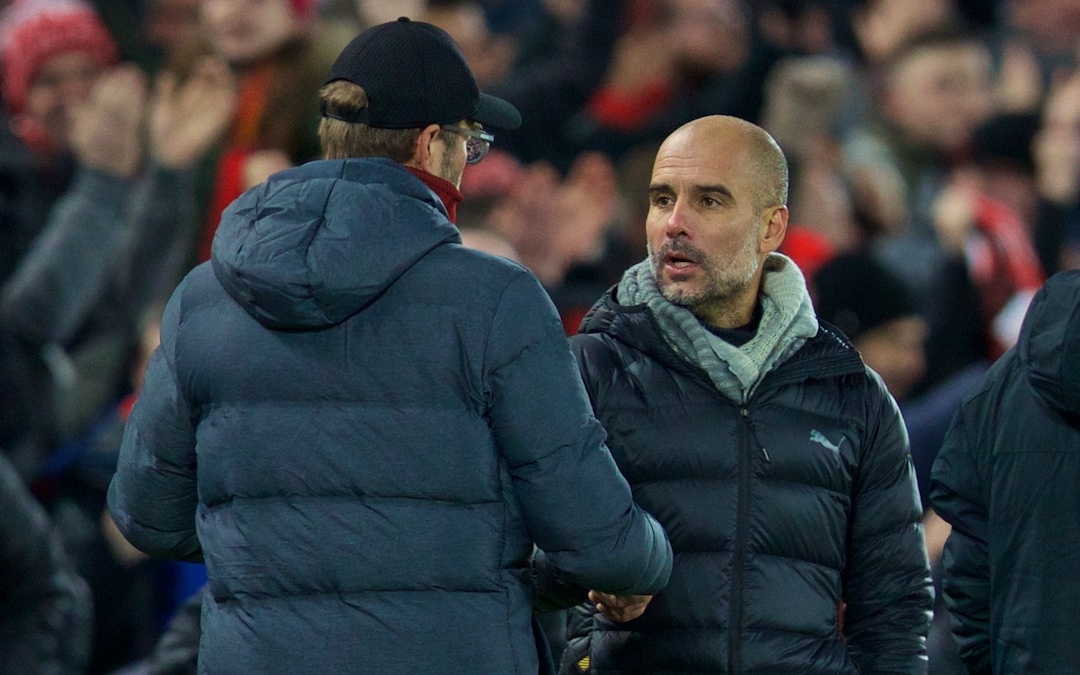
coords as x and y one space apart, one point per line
187 118
107 129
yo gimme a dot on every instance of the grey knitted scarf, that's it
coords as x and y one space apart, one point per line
787 321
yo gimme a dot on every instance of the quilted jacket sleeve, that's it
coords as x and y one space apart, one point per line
887 589
153 495
577 505
107 240
957 496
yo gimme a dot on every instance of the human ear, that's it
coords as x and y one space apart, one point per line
774 228
422 153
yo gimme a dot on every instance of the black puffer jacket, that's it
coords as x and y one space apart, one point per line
1008 480
777 511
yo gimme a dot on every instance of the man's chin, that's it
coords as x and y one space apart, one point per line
678 294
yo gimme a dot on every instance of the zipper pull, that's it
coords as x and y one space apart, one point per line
753 432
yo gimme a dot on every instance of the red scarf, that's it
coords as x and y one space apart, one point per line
242 140
447 191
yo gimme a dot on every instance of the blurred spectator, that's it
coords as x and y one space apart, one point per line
677 60
803 96
270 46
51 55
874 308
177 650
561 64
881 27
558 223
1048 28
100 213
165 26
1056 151
997 253
935 91
489 54
125 584
963 253
44 605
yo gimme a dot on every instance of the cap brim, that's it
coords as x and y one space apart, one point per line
497 113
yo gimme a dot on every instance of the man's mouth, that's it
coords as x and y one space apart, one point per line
679 259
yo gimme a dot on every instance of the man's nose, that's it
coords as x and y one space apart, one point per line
677 223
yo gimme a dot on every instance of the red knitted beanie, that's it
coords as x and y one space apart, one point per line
34 31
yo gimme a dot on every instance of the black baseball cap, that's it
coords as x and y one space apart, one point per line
415 75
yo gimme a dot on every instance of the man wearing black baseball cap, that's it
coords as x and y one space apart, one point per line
375 437
404 76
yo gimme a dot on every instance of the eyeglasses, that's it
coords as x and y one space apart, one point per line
477 141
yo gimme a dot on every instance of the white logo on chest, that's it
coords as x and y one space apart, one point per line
819 438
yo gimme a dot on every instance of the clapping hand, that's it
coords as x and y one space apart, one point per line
107 128
187 118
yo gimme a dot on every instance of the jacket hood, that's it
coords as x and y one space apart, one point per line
315 244
1049 344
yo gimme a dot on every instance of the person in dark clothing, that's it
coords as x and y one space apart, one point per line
374 436
875 310
177 650
45 614
97 209
1005 479
50 54
775 459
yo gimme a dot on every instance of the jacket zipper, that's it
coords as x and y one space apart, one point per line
742 517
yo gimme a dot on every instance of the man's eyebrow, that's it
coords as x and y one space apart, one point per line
664 188
718 189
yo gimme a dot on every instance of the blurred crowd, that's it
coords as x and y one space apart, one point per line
934 148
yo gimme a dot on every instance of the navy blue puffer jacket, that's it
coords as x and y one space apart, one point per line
363 428
778 511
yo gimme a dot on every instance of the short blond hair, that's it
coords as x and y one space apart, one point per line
341 139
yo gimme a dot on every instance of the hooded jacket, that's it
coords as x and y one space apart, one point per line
1007 479
363 428
780 471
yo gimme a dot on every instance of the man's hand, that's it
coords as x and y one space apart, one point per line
619 607
107 129
187 118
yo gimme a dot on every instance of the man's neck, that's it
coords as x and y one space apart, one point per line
741 334
731 313
447 192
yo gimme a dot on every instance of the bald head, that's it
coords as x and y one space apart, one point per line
764 160
716 210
